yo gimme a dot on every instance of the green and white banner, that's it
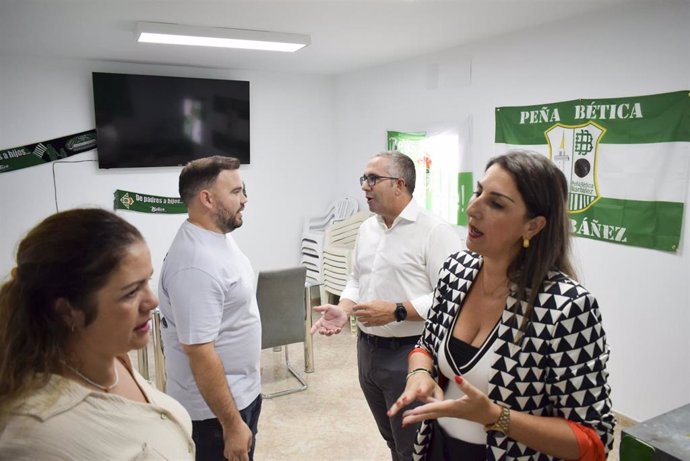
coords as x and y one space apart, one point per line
134 201
46 151
444 177
411 144
626 161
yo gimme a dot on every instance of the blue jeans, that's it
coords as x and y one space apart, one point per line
208 434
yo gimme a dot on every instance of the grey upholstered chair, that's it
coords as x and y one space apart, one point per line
281 298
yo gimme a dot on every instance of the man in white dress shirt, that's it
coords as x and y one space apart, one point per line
399 253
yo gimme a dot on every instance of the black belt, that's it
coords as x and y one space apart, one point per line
388 343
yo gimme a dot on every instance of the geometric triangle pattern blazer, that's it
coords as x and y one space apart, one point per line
557 368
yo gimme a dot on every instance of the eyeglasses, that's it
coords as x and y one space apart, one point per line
371 179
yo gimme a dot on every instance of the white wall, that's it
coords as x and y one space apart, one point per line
633 50
291 134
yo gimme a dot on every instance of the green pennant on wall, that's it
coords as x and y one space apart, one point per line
143 203
44 152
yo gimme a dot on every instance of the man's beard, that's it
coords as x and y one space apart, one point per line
227 221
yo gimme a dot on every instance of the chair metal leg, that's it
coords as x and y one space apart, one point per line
158 352
308 340
353 324
303 384
143 362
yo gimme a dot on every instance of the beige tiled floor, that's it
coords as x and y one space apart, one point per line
330 420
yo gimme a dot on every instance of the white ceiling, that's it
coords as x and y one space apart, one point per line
345 35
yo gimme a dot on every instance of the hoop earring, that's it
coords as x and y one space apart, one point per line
525 243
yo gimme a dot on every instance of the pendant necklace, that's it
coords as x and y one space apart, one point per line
95 384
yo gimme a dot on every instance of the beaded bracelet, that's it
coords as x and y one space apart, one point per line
417 370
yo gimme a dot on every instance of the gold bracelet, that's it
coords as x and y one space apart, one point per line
417 370
503 423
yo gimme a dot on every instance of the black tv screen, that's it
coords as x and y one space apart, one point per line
150 121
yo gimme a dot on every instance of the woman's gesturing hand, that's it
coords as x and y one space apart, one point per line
420 386
473 406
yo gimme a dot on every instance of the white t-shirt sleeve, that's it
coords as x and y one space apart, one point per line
197 312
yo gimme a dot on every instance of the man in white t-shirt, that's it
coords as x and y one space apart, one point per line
211 325
397 258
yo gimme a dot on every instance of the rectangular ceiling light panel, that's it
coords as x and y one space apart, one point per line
175 34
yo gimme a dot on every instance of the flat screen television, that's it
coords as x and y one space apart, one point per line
152 121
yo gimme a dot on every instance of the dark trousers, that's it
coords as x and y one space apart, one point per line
208 434
382 372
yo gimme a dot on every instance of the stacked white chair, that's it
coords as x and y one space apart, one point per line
313 235
339 244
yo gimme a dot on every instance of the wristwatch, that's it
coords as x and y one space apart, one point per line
400 312
503 423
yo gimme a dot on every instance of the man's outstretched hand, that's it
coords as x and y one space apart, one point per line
332 320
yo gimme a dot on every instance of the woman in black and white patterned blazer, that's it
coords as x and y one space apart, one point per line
512 361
